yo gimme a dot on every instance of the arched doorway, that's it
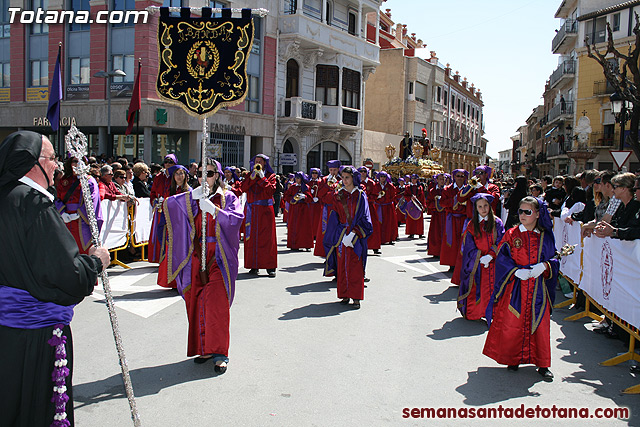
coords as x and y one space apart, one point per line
287 147
321 153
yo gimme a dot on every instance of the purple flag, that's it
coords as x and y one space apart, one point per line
55 96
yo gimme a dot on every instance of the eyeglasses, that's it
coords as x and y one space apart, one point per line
460 176
597 180
636 188
210 174
53 158
527 212
615 186
119 176
169 162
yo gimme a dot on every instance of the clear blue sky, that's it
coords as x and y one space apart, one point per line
502 46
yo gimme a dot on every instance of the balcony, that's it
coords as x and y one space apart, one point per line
301 109
556 149
565 72
350 116
566 36
312 33
601 139
602 88
557 113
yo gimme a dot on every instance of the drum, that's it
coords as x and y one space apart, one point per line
402 205
414 210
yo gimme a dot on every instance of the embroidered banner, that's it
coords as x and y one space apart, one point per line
203 60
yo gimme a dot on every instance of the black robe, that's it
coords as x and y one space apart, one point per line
38 254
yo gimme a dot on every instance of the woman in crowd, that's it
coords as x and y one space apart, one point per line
513 201
140 176
208 294
299 225
625 224
477 277
345 240
159 192
120 178
316 203
526 275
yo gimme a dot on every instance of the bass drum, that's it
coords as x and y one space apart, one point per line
402 205
414 211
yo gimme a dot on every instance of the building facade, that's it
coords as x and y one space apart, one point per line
325 38
407 93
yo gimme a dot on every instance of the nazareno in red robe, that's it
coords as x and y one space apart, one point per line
160 188
260 247
385 205
371 189
316 207
436 224
415 226
456 213
476 281
299 225
519 312
325 196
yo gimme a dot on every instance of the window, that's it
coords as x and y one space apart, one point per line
172 3
5 74
80 71
350 88
352 23
319 155
438 94
39 73
446 98
616 22
253 94
293 76
39 28
4 18
453 101
421 92
410 88
77 5
217 4
124 5
126 64
252 103
458 105
327 84
329 13
464 108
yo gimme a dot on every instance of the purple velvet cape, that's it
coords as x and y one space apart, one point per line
471 271
180 212
337 230
545 289
81 210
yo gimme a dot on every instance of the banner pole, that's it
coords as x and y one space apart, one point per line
205 191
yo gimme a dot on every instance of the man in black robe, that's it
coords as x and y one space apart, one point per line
42 277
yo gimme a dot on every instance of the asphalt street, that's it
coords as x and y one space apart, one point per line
299 358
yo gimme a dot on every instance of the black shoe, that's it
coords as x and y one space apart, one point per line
421 236
411 236
513 368
546 374
356 304
392 242
376 251
271 273
253 271
200 360
367 280
451 268
345 301
220 369
335 279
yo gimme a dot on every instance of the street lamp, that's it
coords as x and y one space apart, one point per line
620 107
108 76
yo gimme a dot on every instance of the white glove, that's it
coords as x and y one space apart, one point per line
348 240
208 207
537 270
198 193
380 196
523 273
315 200
438 197
260 174
159 200
485 260
302 196
69 217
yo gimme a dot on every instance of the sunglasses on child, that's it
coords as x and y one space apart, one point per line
210 174
527 212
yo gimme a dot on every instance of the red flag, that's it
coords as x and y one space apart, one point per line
135 104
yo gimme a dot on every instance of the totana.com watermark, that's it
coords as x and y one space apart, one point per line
41 16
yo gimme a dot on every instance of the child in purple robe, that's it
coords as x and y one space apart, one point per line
481 237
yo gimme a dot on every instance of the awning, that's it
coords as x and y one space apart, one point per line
551 131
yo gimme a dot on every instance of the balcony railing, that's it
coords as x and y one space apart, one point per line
300 108
566 69
560 111
556 149
601 139
350 117
602 87
570 28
